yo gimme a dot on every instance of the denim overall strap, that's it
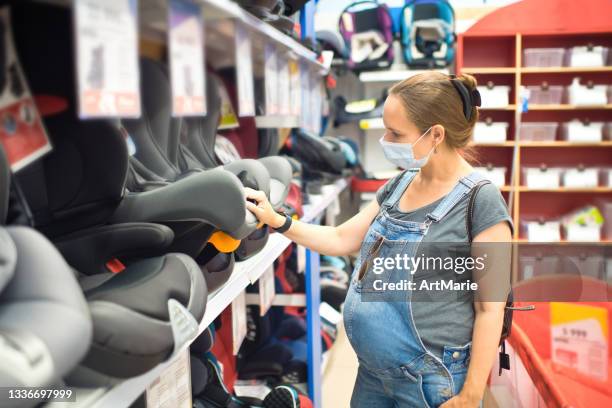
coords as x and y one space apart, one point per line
462 188
399 189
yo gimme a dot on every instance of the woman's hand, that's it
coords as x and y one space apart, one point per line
262 208
461 400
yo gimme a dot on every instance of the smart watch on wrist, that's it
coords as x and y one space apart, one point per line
286 225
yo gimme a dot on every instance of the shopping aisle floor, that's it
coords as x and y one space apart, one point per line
340 373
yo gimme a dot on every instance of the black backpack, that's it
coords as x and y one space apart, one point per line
504 358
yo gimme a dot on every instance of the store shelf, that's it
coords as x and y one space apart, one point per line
560 70
564 242
488 70
552 107
244 273
524 189
563 143
394 75
509 143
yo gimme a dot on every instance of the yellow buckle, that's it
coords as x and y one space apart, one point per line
223 242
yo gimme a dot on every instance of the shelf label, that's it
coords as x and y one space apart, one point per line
244 71
316 101
173 387
305 83
228 120
271 79
186 45
184 325
22 133
239 321
267 291
296 90
579 335
108 75
284 85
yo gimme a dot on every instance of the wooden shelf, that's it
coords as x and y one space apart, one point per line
563 143
561 70
509 143
554 107
524 189
488 70
564 242
503 108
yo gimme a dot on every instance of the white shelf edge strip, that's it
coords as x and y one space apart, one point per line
280 299
127 391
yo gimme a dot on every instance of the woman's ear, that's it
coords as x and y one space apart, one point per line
438 132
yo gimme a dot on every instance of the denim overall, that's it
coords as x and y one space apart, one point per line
395 368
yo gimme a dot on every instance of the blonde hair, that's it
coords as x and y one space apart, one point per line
430 98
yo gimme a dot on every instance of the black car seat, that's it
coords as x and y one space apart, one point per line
82 183
198 142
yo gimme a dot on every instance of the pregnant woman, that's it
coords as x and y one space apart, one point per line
417 354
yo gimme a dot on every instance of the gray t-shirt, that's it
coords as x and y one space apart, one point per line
449 323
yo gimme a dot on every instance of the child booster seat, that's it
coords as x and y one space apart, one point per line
427 29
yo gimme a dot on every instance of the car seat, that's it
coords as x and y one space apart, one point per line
157 138
427 29
368 35
45 327
200 134
78 186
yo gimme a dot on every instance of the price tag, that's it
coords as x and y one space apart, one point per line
296 90
228 120
579 336
21 131
305 91
284 85
301 258
267 290
239 321
316 103
173 387
271 79
244 72
186 44
108 76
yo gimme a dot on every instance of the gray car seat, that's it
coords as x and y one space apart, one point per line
156 138
45 326
198 145
82 183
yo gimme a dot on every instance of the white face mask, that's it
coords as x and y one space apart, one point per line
402 154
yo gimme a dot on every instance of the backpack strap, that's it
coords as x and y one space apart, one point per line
470 208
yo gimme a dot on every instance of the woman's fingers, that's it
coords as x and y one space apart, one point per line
256 195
